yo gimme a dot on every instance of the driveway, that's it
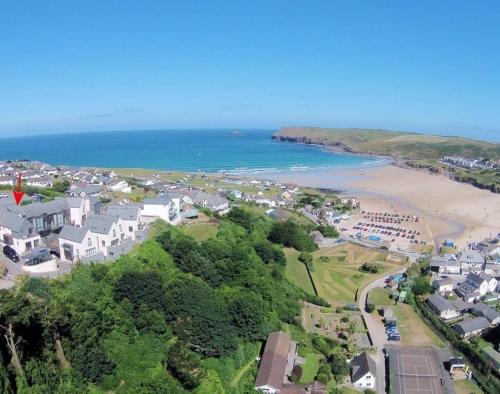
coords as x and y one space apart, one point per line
376 330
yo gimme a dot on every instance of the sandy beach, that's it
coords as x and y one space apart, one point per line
450 209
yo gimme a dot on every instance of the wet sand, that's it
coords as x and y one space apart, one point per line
451 209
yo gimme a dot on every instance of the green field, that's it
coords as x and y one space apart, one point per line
201 231
380 297
338 279
296 271
310 368
393 143
413 330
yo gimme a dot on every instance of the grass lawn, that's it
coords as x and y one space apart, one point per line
380 297
466 387
413 330
201 231
310 368
296 271
338 278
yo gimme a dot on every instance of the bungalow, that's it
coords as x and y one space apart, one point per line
470 327
213 202
119 185
442 307
486 311
363 372
40 182
7 180
443 285
84 190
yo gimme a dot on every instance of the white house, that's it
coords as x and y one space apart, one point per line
77 243
98 235
444 285
130 216
363 372
17 232
119 185
163 208
39 182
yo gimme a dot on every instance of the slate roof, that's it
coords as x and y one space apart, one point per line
471 325
273 363
39 209
126 212
72 233
470 256
484 310
157 201
99 223
439 303
361 365
477 279
17 224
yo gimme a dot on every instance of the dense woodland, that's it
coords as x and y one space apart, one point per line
173 316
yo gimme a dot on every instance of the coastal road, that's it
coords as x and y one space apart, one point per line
376 331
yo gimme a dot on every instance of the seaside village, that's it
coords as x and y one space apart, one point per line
78 215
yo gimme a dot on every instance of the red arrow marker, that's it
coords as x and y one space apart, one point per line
18 194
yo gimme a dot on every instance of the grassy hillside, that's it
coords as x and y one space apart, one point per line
396 144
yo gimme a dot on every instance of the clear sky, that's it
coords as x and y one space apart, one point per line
100 65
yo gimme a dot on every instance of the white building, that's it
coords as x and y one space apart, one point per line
39 182
98 236
163 208
130 216
444 285
363 372
119 185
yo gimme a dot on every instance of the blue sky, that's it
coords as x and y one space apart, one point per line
100 65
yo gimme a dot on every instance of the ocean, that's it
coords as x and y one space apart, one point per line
247 151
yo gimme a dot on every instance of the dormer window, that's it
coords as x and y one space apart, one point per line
114 233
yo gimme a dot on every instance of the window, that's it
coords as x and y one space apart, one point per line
103 243
130 229
120 228
114 233
89 242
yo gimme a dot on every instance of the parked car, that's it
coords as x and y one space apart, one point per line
10 253
394 337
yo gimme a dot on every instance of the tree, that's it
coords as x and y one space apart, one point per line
200 317
339 365
247 312
421 285
291 234
185 365
61 187
141 288
242 217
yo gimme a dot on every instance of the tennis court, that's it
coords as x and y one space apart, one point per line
417 371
